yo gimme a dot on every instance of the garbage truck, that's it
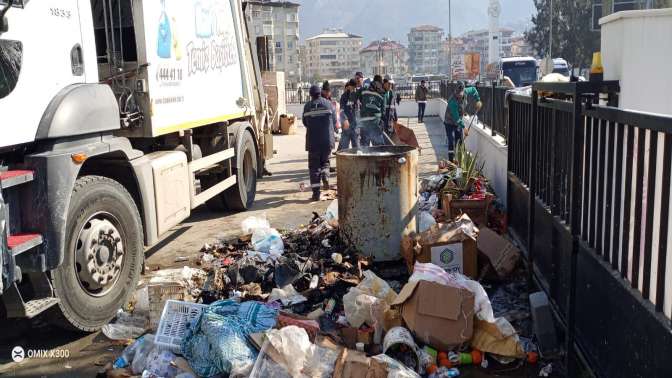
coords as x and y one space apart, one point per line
117 119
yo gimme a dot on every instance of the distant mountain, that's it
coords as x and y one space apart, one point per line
374 19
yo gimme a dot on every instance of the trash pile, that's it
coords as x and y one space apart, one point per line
302 303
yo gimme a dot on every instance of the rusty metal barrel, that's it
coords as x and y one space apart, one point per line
377 197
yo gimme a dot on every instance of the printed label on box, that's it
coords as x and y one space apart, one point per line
449 257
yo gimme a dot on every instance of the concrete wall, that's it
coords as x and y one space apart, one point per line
492 151
637 50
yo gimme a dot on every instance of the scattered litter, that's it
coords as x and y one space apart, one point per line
287 295
181 259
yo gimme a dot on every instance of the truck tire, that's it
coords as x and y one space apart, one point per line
240 197
104 254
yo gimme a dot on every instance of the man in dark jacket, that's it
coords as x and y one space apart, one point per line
319 119
421 98
348 116
372 102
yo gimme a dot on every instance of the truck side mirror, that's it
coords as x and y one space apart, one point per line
4 24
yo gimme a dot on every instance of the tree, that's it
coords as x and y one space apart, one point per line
573 38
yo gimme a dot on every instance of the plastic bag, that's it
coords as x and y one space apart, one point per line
287 295
395 369
293 356
252 223
268 240
216 343
331 215
358 301
434 183
160 364
142 351
357 306
117 331
425 221
428 201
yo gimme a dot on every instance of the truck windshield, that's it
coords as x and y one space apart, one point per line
522 73
11 53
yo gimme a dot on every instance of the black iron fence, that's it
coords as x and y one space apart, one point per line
589 197
493 113
407 91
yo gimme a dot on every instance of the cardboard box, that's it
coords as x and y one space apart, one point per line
351 364
451 246
287 124
351 336
440 316
501 254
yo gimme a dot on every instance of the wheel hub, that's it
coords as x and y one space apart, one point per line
99 255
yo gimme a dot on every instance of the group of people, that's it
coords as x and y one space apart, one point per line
366 115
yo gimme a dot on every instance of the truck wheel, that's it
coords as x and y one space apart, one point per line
240 197
103 256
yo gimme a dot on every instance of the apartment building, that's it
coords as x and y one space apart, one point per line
477 41
332 54
384 57
274 29
424 49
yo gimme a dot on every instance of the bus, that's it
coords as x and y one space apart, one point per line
521 70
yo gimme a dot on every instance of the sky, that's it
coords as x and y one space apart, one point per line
375 19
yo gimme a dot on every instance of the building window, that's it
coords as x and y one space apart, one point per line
278 45
290 45
328 43
291 17
325 57
623 5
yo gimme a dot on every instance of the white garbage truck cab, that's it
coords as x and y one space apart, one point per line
117 118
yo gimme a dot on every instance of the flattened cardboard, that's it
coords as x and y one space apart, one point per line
351 364
502 255
438 315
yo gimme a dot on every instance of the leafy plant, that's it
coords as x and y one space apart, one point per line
468 170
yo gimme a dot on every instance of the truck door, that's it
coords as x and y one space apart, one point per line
45 45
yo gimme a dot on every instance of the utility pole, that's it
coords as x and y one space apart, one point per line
450 40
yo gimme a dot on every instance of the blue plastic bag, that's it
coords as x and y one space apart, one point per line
216 343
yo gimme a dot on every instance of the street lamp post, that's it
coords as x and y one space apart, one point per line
450 41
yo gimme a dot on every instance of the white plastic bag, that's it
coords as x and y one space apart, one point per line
331 215
425 221
252 223
357 306
287 296
268 240
358 301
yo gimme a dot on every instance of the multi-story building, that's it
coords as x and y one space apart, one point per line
520 46
477 41
333 54
424 49
454 50
384 57
275 24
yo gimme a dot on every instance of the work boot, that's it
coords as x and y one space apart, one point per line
325 183
316 194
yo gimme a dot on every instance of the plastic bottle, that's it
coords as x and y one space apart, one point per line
444 372
126 356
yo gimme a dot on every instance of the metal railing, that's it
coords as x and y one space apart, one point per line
407 91
589 197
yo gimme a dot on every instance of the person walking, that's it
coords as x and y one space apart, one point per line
390 107
350 135
318 118
372 102
421 98
453 119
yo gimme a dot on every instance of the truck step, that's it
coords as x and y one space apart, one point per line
19 243
36 306
17 307
15 177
